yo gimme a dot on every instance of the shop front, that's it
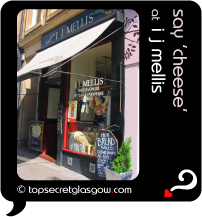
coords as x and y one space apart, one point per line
82 87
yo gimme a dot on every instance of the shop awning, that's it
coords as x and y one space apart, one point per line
62 51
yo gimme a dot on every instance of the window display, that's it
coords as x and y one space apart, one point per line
90 93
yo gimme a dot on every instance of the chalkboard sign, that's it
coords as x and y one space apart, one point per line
107 149
36 135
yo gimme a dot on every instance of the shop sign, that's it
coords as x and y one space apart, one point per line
92 168
90 88
69 161
107 149
72 111
86 18
36 135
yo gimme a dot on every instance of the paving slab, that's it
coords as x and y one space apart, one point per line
33 167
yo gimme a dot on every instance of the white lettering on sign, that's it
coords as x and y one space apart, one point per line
106 157
35 142
93 82
90 88
106 142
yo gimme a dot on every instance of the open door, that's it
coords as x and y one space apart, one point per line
51 101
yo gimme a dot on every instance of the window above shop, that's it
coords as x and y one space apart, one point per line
33 20
53 10
33 17
52 13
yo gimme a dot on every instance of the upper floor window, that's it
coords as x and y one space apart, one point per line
33 17
51 11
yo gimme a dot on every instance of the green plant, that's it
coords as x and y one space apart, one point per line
122 163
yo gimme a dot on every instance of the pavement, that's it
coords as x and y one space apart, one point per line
33 167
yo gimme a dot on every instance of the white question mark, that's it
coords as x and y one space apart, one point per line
185 187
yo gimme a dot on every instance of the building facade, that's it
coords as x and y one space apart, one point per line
31 25
78 75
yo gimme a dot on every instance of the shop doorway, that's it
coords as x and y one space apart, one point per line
51 101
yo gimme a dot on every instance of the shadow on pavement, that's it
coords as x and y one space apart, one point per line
24 155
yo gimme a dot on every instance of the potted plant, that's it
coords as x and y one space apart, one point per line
121 167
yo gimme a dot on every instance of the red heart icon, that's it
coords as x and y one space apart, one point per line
167 193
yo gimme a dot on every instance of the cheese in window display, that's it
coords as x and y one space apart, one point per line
84 143
81 138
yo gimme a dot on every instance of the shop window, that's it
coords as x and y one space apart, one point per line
89 99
